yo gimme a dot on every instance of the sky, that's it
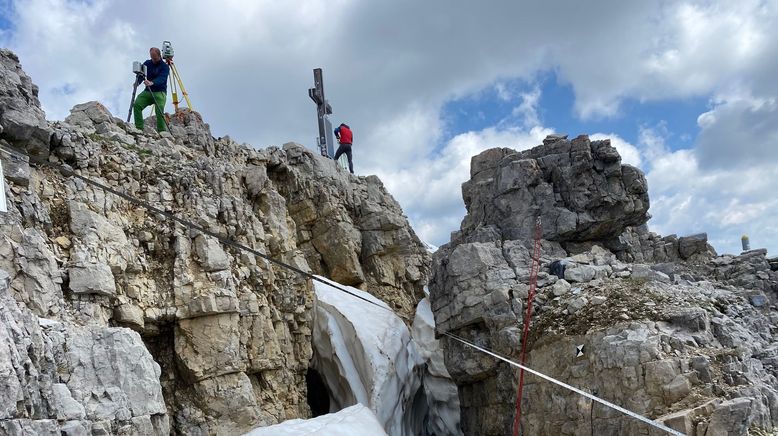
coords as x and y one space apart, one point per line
685 90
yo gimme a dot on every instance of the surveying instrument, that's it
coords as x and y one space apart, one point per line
176 82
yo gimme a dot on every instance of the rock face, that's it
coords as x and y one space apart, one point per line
638 244
57 378
579 188
22 121
229 331
670 330
349 229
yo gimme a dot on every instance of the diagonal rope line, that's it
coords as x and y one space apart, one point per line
223 239
567 386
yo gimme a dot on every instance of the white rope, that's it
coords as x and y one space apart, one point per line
572 388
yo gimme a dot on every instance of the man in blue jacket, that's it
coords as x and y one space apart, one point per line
156 89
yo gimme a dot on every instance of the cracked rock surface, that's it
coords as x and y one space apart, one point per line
116 321
670 329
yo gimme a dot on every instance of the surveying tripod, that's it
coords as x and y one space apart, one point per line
176 82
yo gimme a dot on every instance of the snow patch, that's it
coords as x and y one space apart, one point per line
354 420
440 392
365 355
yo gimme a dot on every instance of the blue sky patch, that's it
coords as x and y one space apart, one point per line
555 109
66 89
6 14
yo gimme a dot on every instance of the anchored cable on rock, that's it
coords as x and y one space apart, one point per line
223 239
226 241
567 386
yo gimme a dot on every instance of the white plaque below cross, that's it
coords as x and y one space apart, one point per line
2 190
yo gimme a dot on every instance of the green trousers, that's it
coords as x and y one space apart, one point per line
144 100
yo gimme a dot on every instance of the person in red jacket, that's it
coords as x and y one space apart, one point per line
345 137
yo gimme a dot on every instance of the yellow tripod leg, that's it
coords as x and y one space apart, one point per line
181 85
174 92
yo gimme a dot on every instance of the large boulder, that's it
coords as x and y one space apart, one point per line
52 372
579 189
22 121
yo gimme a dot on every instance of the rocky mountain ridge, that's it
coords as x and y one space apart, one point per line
117 321
670 330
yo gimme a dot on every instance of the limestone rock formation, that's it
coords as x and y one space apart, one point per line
579 189
671 330
349 229
58 378
230 332
21 121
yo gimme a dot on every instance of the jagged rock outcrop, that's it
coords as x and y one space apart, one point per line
675 350
670 330
349 229
579 189
21 120
230 331
638 244
60 378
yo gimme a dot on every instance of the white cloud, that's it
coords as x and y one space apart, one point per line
503 93
76 54
738 132
390 67
669 50
528 109
430 189
687 198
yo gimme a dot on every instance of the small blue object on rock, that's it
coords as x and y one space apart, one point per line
758 300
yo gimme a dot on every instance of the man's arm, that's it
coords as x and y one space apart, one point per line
148 64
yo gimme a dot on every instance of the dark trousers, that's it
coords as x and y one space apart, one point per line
345 148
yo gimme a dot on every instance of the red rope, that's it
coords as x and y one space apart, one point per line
533 281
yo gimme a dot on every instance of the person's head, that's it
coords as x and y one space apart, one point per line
155 54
